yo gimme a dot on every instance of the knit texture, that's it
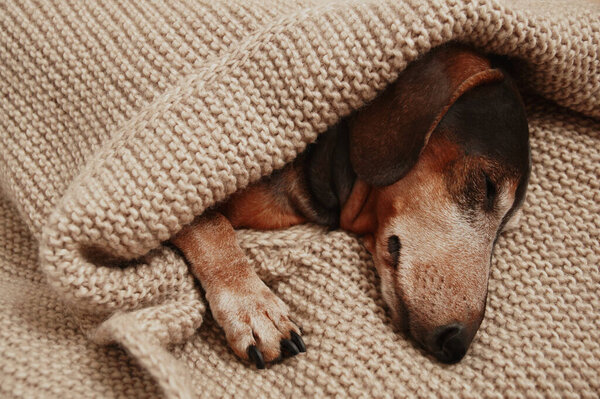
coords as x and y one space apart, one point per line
122 120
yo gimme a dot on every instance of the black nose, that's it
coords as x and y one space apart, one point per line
450 343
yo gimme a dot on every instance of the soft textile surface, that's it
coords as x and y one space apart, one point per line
120 121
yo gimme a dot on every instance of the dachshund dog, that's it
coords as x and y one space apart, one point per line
427 174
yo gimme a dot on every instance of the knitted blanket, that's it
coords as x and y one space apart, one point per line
122 120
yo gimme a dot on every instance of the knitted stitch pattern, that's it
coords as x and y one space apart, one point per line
122 120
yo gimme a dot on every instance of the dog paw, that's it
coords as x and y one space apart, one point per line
256 322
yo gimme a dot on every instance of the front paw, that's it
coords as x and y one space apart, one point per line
256 322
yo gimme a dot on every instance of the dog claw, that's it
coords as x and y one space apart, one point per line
288 348
298 341
255 356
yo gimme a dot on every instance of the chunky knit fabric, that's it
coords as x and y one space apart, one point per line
121 120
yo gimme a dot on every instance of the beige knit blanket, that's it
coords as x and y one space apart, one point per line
121 120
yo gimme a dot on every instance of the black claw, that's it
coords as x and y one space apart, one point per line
298 341
288 348
257 357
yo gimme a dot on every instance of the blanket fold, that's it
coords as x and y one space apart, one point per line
122 121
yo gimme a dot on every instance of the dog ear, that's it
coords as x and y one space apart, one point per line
388 135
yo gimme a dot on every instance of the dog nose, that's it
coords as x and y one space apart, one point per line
450 343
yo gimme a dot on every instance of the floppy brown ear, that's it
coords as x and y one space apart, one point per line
388 135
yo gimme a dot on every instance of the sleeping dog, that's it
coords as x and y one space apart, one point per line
427 174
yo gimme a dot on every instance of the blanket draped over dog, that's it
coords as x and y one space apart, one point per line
122 120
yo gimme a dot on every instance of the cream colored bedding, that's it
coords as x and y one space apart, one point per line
121 120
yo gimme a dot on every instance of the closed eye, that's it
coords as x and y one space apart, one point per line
490 192
394 249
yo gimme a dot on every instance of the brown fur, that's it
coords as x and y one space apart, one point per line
259 207
240 302
436 192
397 124
460 288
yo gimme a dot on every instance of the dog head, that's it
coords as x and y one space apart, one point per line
442 159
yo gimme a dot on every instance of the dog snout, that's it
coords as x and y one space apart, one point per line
449 343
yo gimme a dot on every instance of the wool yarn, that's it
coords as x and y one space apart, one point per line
122 120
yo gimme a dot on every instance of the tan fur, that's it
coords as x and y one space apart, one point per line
443 269
240 302
258 207
441 276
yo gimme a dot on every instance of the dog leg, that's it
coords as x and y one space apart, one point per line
255 320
